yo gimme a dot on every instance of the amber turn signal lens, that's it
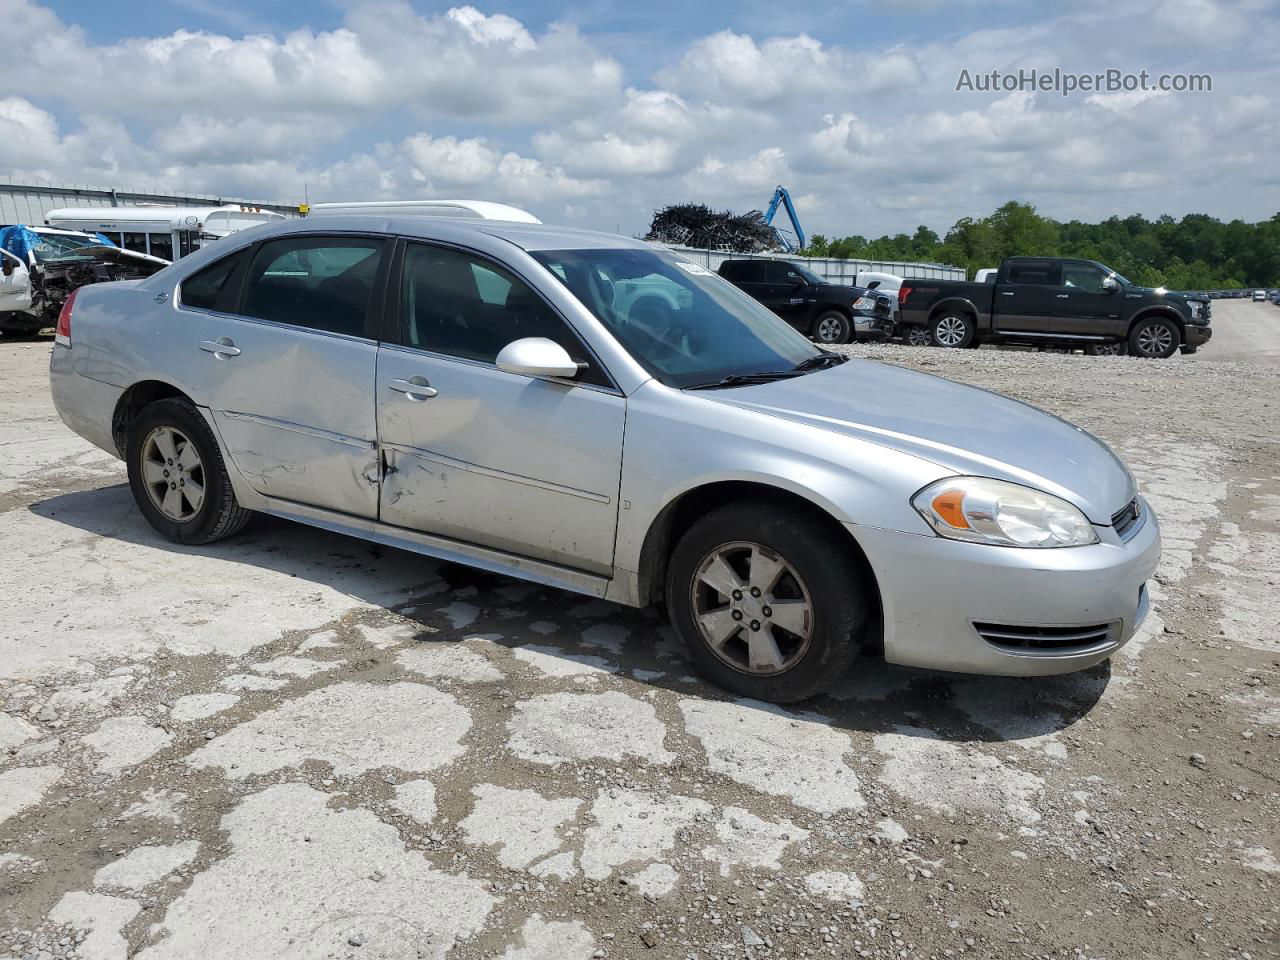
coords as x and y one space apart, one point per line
949 505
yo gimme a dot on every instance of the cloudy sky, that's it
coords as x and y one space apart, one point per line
595 112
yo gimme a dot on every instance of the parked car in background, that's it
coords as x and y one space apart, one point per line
460 388
1260 295
826 312
1062 302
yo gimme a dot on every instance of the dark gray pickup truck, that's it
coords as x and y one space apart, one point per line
1060 302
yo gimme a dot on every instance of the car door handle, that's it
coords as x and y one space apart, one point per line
222 348
1063 296
1006 293
415 389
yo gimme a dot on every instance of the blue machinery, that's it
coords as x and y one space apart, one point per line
781 196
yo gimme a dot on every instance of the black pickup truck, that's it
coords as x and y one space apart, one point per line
826 312
1060 302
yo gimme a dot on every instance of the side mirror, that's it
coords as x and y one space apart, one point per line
1110 284
537 357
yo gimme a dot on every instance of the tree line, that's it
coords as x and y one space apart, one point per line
1198 252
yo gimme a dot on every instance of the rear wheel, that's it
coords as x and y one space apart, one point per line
919 336
832 327
1116 349
953 330
1155 339
768 601
178 476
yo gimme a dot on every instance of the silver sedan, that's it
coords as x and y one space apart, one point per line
602 415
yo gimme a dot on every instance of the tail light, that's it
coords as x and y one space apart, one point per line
903 293
63 333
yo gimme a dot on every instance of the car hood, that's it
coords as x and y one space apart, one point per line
960 428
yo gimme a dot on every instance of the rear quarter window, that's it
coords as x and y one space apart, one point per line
215 287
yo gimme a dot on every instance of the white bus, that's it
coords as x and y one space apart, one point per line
165 232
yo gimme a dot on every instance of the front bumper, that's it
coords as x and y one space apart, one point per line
934 591
869 326
1197 334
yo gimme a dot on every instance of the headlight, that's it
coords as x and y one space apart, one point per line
864 303
982 510
1195 306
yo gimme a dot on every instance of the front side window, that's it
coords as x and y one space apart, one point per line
215 287
1083 277
462 306
681 322
321 283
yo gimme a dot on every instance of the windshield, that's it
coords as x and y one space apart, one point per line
680 321
52 245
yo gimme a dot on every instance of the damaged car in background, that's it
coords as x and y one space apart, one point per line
40 267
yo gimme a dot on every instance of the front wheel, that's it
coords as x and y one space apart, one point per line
919 336
768 601
954 330
1155 339
178 477
1116 349
832 327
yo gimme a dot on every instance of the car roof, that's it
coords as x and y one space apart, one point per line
527 236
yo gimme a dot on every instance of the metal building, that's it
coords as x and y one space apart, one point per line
30 203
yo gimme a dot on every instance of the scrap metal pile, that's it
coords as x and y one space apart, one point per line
697 225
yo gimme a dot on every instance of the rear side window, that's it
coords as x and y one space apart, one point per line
1037 273
215 287
743 271
321 283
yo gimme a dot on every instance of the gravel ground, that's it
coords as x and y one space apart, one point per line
297 745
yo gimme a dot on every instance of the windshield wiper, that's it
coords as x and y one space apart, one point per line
820 361
745 379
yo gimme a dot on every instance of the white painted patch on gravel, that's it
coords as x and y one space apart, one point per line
324 640
14 732
1260 858
560 865
842 887
295 666
193 602
551 940
655 880
198 706
460 615
143 866
24 787
1249 565
1008 710
558 727
93 697
251 683
633 826
452 660
607 636
124 742
523 824
745 840
299 883
946 777
798 756
554 662
354 727
390 635
103 917
892 831
156 805
416 800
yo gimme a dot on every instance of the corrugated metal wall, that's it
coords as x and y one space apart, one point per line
833 270
30 202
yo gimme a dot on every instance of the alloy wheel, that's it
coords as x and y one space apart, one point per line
173 473
919 337
951 331
752 609
1155 340
829 330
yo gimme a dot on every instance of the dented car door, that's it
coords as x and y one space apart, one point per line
287 365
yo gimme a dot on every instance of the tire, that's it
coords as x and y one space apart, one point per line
816 569
918 336
952 330
1155 339
1117 348
832 327
170 426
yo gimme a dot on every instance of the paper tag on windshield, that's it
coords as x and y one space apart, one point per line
689 267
